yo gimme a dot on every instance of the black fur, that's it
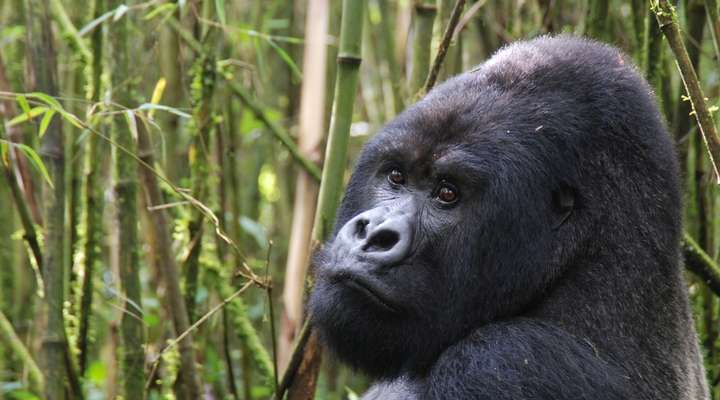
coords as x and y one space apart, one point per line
556 274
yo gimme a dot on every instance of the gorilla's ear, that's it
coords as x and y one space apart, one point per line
564 204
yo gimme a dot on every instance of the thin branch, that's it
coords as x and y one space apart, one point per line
192 327
444 44
701 264
667 20
11 339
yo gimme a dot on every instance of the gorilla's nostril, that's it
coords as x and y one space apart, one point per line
382 240
361 228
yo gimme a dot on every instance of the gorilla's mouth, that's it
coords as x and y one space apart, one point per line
368 290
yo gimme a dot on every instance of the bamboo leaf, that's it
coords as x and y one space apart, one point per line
286 57
94 23
75 121
172 110
28 115
49 100
34 158
22 101
119 12
45 122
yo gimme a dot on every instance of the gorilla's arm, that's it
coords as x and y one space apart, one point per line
522 359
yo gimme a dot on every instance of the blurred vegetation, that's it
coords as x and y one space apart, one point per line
161 163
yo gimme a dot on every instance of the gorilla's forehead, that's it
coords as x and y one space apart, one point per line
533 91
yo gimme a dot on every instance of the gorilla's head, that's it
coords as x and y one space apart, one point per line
474 202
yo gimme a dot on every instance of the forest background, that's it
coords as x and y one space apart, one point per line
167 167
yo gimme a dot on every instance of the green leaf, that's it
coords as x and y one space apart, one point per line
34 158
220 9
47 99
45 122
22 101
150 106
286 57
28 115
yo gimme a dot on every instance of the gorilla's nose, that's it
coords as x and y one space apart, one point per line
382 235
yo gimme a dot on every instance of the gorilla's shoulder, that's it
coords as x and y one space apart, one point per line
513 357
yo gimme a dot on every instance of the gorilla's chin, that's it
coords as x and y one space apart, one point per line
363 328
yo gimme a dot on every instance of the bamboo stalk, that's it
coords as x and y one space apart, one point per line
164 262
54 343
714 17
667 20
131 326
597 20
202 88
312 117
443 47
422 39
387 49
93 198
349 58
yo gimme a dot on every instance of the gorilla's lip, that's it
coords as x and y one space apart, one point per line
368 289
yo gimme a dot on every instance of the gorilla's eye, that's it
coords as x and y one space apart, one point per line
396 177
447 193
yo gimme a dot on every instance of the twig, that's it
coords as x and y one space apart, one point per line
700 263
192 327
667 20
295 359
10 338
468 15
444 44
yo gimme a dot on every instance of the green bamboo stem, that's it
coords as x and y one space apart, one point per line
202 89
387 49
597 21
422 40
639 14
131 326
15 344
93 199
348 60
714 16
243 328
667 20
164 262
54 343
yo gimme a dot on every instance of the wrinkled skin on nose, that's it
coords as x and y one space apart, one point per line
381 236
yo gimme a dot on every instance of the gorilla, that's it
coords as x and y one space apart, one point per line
515 235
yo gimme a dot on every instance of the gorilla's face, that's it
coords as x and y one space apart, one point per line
447 223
